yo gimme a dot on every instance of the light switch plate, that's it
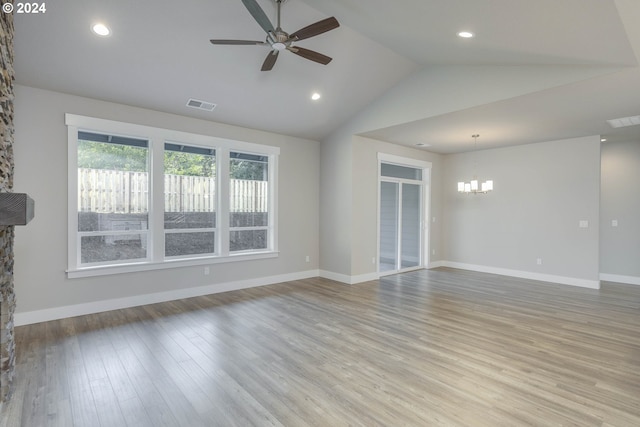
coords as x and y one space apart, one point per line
614 222
583 223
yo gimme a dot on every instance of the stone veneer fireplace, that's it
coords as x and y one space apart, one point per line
7 295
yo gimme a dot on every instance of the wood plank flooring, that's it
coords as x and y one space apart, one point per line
441 347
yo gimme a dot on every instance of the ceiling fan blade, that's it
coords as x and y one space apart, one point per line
270 61
258 14
310 54
315 29
236 42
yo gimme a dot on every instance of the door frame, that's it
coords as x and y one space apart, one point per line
425 208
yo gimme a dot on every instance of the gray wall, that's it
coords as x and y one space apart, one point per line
41 171
349 202
364 219
335 206
428 92
620 246
541 192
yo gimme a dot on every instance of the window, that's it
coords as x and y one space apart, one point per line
248 202
189 200
398 171
143 198
113 198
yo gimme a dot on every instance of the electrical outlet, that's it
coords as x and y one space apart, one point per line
373 260
433 251
539 261
207 271
307 259
614 222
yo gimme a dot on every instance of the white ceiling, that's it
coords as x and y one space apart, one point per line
159 56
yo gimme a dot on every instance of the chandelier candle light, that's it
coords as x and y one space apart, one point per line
472 186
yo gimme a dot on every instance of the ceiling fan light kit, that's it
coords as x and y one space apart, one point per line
279 40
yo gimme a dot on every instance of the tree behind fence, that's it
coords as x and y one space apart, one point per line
107 191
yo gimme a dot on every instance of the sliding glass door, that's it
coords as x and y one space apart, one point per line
400 216
410 225
389 231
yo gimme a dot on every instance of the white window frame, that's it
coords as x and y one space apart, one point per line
155 240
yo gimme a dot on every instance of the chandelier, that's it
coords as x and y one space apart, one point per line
473 186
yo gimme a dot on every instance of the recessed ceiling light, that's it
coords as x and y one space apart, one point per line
315 96
422 144
603 139
465 34
101 29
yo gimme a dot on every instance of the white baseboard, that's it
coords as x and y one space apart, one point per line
349 280
360 278
36 316
342 278
573 281
629 280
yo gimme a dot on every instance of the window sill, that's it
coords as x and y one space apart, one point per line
171 263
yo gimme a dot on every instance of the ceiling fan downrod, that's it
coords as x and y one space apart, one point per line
278 2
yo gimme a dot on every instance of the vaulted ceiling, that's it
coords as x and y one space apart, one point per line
535 70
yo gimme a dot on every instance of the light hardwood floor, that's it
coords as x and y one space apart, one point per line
429 348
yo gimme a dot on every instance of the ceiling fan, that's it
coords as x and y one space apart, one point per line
279 40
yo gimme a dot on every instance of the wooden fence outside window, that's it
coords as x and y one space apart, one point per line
112 191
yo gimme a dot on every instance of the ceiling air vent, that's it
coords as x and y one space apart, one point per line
201 105
624 122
